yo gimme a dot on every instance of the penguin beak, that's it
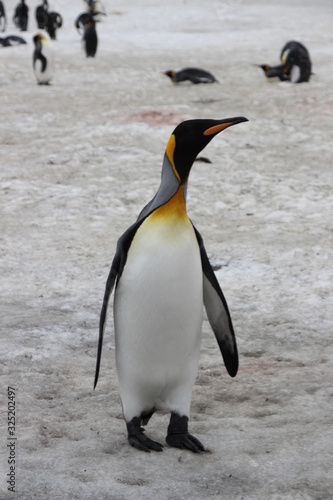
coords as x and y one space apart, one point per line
264 67
228 122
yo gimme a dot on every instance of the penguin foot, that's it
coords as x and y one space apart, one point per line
179 437
138 439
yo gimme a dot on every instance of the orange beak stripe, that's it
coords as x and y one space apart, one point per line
217 128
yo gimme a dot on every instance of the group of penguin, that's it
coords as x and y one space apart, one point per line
162 278
295 67
43 63
49 22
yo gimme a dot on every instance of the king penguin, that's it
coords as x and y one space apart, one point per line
43 59
295 64
163 278
193 75
90 39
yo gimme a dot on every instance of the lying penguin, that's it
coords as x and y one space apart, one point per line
194 75
296 64
162 279
43 59
12 41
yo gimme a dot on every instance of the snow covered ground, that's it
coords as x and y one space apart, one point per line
79 159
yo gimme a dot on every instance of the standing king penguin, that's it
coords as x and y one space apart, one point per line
163 278
43 59
90 38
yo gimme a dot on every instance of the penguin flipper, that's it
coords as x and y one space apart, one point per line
116 270
108 290
218 313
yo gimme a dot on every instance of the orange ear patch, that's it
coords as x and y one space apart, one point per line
170 149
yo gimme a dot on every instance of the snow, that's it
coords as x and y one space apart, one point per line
80 158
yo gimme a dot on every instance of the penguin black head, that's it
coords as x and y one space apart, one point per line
38 38
189 138
171 73
264 67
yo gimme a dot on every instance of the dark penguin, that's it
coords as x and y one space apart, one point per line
3 19
163 279
21 15
90 38
50 21
194 75
54 22
81 21
295 64
41 15
95 8
43 59
12 41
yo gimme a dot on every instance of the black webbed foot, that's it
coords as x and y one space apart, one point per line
179 436
138 439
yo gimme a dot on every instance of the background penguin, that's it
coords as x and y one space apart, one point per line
21 16
48 20
3 19
12 41
96 9
41 14
43 59
81 22
90 39
296 64
194 75
163 278
274 71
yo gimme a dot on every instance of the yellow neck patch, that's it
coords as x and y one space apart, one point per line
170 149
174 209
284 56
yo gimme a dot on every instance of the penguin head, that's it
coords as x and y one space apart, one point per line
264 67
171 73
38 39
189 138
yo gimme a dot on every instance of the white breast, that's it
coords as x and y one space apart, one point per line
158 317
295 74
45 76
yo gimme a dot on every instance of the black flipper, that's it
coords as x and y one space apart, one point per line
218 313
40 56
116 270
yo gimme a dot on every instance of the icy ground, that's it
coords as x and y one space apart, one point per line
79 159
